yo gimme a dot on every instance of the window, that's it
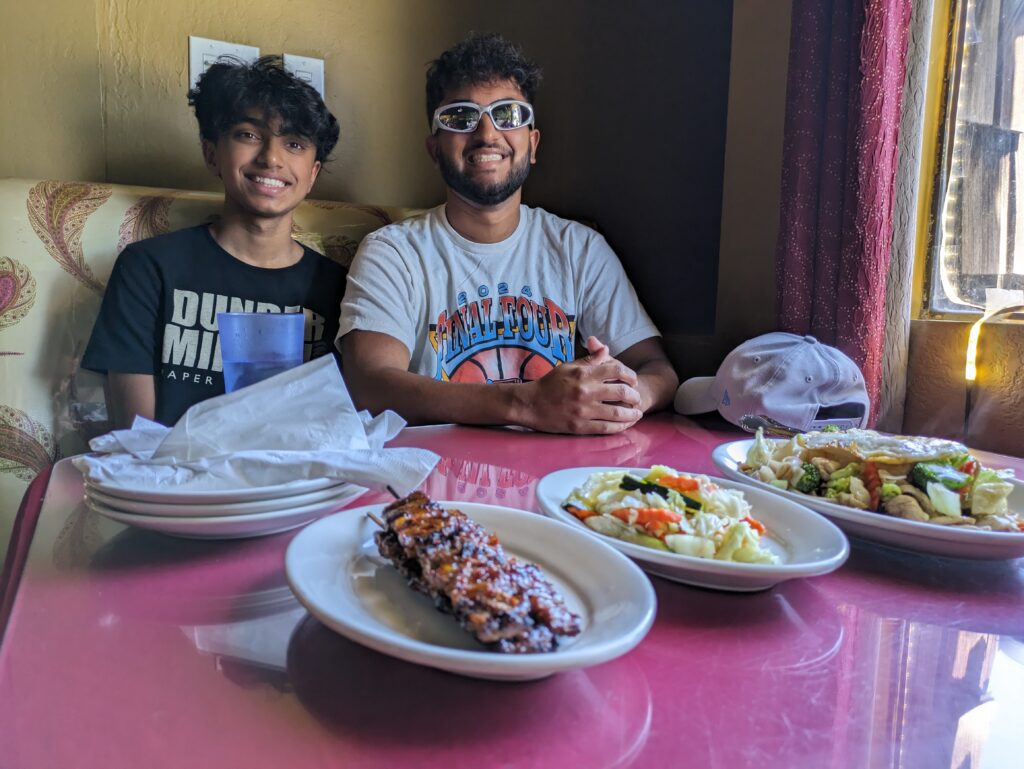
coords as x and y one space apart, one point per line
978 253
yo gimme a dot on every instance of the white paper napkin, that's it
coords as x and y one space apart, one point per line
298 425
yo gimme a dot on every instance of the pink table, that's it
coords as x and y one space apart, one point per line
131 649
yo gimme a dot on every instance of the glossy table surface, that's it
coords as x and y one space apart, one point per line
132 649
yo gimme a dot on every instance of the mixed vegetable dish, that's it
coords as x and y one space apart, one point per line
920 479
671 511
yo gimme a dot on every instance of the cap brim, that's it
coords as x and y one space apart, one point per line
694 396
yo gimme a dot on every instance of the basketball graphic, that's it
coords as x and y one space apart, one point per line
502 364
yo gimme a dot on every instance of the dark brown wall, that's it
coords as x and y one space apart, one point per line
633 123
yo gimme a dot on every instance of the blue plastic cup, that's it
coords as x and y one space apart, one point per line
257 345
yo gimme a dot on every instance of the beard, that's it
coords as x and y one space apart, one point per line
485 194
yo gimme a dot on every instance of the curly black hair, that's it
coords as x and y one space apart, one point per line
230 87
488 58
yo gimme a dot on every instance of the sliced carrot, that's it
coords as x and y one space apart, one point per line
755 525
656 528
580 512
646 515
678 482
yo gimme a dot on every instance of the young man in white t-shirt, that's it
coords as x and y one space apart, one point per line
471 312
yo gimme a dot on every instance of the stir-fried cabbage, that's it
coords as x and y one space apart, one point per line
741 544
706 521
989 493
761 452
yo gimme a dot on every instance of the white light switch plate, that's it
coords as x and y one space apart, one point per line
202 52
306 68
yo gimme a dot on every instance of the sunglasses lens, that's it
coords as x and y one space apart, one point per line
510 115
465 118
459 118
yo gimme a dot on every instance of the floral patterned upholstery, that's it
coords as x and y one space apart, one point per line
58 243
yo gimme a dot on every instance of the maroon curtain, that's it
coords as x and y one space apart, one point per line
846 65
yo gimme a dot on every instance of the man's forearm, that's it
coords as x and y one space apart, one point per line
656 379
657 383
593 395
422 400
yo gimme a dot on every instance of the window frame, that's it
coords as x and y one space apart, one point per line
939 126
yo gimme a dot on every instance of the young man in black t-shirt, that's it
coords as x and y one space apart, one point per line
265 133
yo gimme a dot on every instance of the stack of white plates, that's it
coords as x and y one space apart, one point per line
221 514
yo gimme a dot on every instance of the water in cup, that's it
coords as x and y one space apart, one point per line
239 374
256 346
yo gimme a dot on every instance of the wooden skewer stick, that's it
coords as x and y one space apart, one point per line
377 520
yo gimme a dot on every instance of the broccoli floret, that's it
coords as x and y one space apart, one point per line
924 473
851 469
830 429
837 486
956 461
810 480
888 491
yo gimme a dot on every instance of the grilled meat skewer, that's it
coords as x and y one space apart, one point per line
506 603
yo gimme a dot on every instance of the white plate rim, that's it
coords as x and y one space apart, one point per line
722 458
213 496
212 509
197 528
475 663
350 493
704 566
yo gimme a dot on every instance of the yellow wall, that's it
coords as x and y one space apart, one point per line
50 118
103 100
374 55
100 87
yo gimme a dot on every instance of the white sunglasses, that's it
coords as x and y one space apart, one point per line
465 116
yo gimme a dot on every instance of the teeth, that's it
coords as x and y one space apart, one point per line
485 158
268 182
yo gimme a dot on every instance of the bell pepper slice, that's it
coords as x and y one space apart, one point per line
580 512
646 515
679 482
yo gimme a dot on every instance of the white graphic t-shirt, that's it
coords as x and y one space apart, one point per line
492 312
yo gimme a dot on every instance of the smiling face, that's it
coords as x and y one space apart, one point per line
487 166
265 173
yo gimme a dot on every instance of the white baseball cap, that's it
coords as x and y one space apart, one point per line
793 379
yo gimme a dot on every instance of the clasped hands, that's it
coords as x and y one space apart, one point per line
593 395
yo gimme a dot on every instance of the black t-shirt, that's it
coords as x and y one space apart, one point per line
159 312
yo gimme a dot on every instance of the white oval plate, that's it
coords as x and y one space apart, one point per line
230 526
806 547
336 572
951 541
200 510
214 496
